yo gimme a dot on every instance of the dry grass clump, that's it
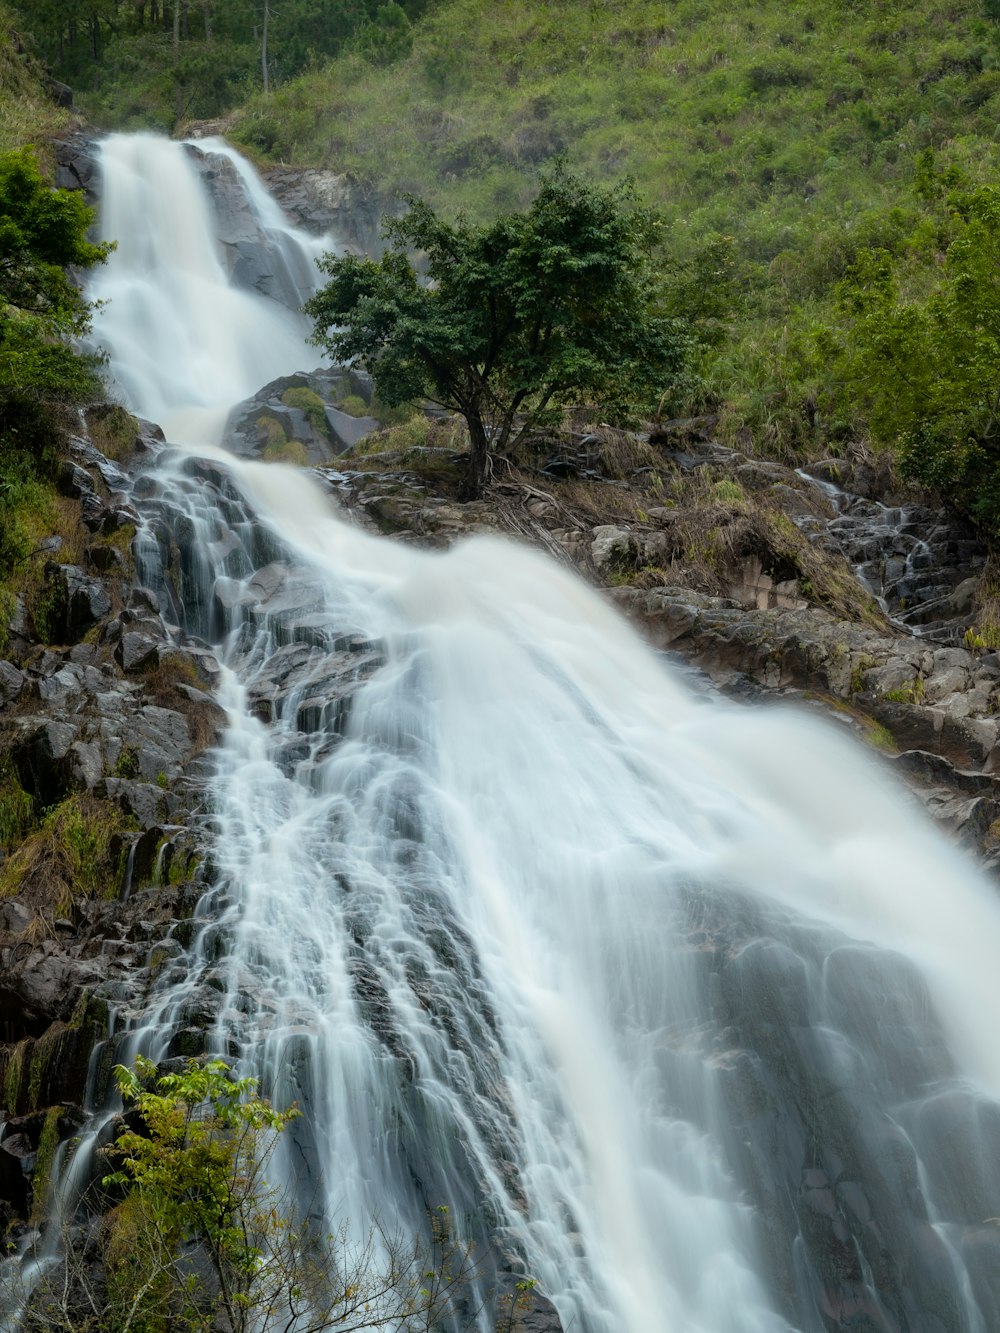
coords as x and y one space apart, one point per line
78 851
712 525
113 430
984 632
619 454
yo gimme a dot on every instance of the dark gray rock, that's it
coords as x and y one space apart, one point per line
77 601
40 755
76 166
135 652
11 682
324 201
146 802
252 423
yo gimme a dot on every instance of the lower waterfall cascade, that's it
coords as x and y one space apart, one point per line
681 1008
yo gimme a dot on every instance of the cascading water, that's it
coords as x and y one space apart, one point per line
185 343
680 1005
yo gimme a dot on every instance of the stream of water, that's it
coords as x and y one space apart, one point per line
679 1007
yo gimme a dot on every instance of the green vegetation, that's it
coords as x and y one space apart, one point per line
48 1142
27 113
77 850
309 403
17 808
189 1179
794 129
286 451
140 63
42 232
919 349
523 316
781 141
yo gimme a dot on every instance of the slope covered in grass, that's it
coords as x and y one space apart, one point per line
792 127
27 113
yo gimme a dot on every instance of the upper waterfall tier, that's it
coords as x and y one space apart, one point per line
200 300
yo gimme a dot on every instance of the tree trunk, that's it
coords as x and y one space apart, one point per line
472 484
208 20
263 45
177 57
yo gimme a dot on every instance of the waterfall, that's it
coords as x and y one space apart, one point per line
681 1008
185 344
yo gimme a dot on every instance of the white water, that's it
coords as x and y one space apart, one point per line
538 936
184 345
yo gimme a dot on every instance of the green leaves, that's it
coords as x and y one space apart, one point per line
922 355
514 319
42 233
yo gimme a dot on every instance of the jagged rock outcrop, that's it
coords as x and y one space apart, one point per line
105 715
327 201
296 418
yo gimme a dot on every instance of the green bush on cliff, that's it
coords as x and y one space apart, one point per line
190 1180
42 233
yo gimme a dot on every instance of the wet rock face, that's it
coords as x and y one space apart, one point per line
324 201
918 561
256 256
804 1065
102 732
76 165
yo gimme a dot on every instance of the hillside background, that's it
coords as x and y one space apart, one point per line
780 141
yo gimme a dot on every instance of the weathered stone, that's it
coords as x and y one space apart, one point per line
86 764
134 652
105 559
11 682
73 481
147 803
612 548
79 601
348 430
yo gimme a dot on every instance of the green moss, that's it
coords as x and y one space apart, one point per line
910 693
880 738
17 808
48 1142
13 1077
270 431
863 665
90 1011
293 452
311 404
43 1053
354 405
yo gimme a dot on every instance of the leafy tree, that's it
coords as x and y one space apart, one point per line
516 319
202 1242
921 358
43 232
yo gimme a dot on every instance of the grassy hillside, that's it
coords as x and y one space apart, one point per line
792 127
27 114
